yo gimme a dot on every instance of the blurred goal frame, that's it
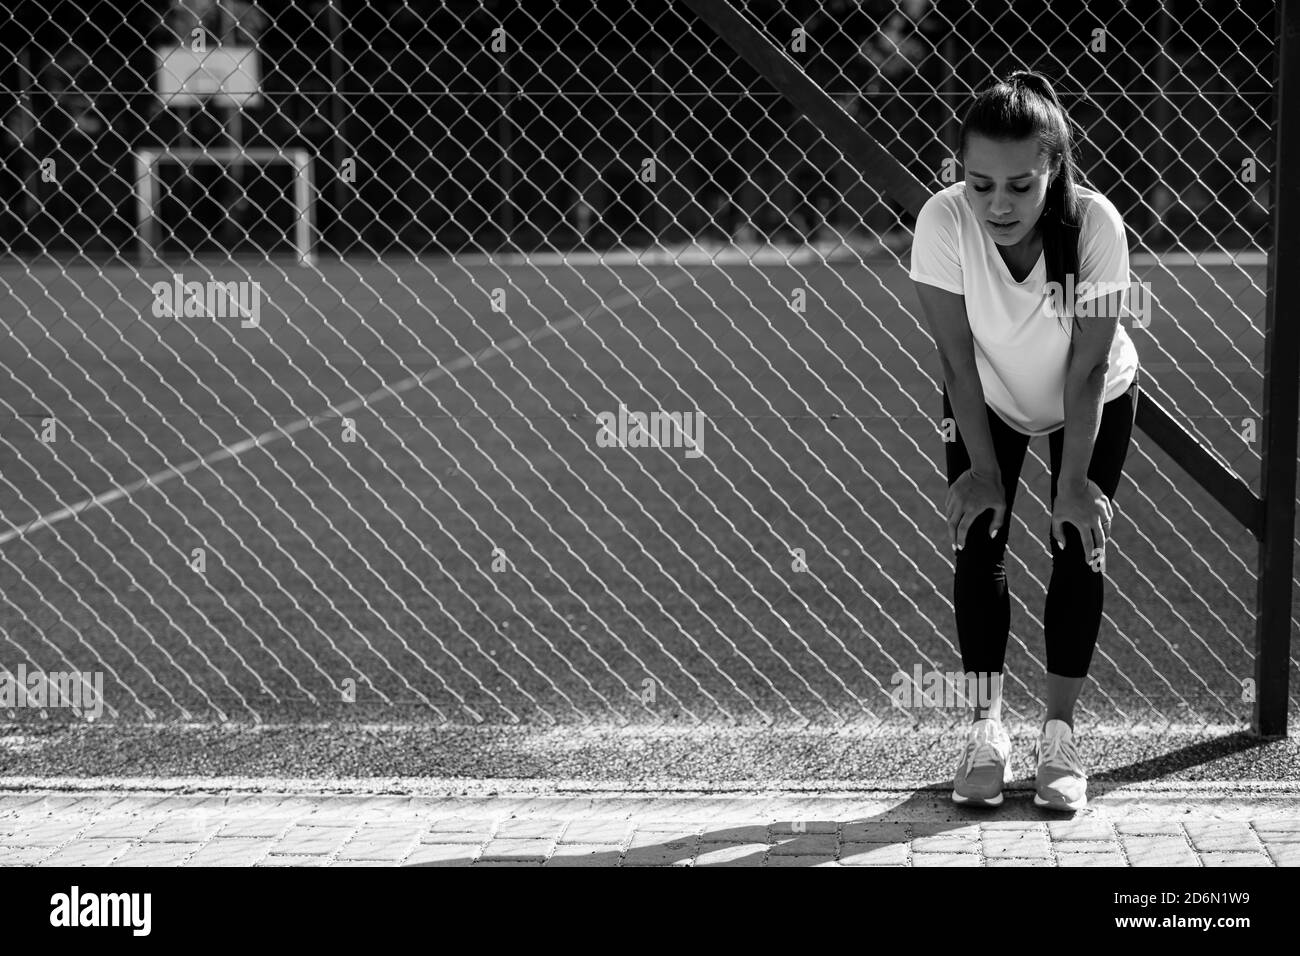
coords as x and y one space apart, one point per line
148 190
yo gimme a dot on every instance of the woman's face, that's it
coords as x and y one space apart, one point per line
1006 184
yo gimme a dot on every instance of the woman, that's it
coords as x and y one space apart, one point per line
1000 261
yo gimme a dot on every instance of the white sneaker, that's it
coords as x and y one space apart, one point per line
984 765
1061 783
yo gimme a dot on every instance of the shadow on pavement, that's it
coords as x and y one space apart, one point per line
813 842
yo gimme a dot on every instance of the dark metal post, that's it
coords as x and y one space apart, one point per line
948 101
1281 394
338 117
657 138
506 96
1161 153
28 132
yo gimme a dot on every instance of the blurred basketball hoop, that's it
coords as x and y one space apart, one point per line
225 75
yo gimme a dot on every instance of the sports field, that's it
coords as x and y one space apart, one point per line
474 554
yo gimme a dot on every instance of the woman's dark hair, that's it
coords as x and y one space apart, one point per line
1025 106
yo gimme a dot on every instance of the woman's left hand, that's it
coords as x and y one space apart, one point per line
1089 510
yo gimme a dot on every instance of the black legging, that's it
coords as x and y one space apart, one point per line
1072 615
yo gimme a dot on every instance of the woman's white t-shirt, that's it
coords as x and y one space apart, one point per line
1021 347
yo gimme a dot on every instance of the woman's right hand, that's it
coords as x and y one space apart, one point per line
969 497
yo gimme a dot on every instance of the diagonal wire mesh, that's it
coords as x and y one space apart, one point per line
536 363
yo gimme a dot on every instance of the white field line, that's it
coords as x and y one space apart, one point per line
781 254
1252 258
495 788
693 254
570 733
388 391
521 735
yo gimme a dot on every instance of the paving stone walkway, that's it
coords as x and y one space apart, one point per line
59 828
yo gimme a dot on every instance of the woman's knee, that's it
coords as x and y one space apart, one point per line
982 547
1084 566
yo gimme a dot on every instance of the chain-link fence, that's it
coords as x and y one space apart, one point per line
536 362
